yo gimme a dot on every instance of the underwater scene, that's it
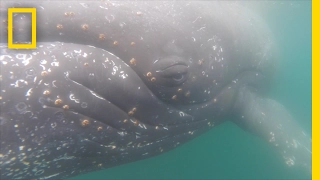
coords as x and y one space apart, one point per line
227 152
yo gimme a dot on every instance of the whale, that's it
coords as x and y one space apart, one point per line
116 82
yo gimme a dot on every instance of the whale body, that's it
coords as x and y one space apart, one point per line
116 82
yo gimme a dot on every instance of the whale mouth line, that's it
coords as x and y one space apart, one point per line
174 129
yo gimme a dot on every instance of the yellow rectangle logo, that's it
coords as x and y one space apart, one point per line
33 44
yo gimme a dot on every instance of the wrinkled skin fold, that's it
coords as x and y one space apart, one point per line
116 82
59 134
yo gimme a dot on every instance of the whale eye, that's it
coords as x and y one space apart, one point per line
175 74
171 71
178 77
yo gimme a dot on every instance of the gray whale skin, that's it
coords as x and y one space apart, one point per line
115 82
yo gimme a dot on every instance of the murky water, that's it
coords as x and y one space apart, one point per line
227 151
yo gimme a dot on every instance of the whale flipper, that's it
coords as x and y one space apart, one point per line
270 120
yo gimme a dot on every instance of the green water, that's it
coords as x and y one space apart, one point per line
226 151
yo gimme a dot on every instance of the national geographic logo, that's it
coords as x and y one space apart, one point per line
12 45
